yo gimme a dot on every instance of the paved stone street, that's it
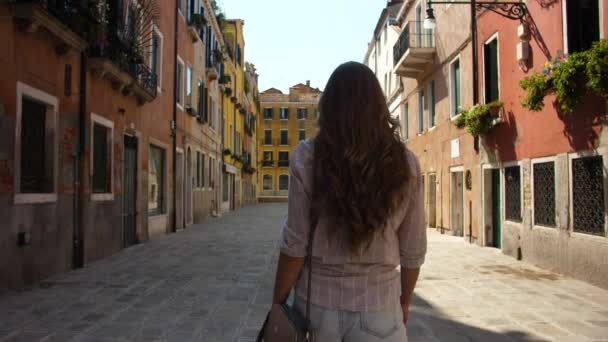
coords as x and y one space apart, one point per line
213 283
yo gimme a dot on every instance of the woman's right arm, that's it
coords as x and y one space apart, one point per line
412 239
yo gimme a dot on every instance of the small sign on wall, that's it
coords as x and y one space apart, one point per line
455 148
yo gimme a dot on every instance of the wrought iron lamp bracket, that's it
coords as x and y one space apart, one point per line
509 10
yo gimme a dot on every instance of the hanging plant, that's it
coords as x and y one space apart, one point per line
479 119
570 78
226 152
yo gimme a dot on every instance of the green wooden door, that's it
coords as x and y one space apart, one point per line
496 212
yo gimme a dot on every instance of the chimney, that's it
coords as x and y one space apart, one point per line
308 83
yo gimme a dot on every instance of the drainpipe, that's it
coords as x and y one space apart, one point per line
79 170
174 126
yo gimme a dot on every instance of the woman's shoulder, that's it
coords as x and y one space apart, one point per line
412 161
303 153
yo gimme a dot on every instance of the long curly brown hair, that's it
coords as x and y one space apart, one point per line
360 163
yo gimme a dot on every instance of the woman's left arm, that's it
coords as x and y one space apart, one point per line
288 272
294 239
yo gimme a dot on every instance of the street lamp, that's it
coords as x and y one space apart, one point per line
510 10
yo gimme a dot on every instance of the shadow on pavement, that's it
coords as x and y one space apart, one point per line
427 323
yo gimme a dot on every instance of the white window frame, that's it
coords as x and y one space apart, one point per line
279 157
279 182
503 189
281 113
161 145
432 104
271 182
565 23
483 65
280 135
24 90
603 152
182 94
420 119
100 120
552 159
156 30
451 91
263 159
304 119
264 113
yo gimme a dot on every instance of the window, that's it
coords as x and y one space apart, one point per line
490 57
583 24
101 166
210 172
36 159
188 80
588 195
283 182
302 135
513 194
267 113
432 119
268 159
267 137
284 137
302 113
156 181
180 82
544 194
267 180
198 169
421 112
156 54
283 159
284 115
406 119
204 171
455 92
237 146
225 187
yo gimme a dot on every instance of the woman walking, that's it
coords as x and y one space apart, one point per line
360 188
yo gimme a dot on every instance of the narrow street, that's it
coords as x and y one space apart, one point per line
213 283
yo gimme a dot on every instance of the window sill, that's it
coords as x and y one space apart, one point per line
454 117
102 197
590 237
432 128
35 198
546 228
156 216
180 107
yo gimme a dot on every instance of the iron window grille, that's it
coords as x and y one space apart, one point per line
102 162
36 152
588 195
544 194
267 182
283 182
513 193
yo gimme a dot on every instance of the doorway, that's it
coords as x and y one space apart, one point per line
188 192
130 192
432 201
496 212
181 222
457 203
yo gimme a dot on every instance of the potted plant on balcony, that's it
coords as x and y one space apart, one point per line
228 91
495 108
226 152
477 120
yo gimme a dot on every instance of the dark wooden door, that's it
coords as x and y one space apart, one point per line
496 212
130 192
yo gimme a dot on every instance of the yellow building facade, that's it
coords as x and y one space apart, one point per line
284 121
234 114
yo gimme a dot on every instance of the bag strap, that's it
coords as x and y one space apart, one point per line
260 337
308 262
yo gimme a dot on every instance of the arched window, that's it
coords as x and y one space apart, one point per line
267 182
283 182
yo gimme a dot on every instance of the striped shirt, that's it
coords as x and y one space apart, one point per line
341 281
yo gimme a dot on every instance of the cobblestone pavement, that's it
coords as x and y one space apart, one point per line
213 282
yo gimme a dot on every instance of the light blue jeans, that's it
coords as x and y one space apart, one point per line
348 326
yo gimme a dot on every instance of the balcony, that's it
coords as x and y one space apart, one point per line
267 163
196 26
283 163
68 21
124 67
414 50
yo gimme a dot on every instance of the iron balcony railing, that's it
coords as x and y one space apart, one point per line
412 36
267 163
124 54
283 163
75 14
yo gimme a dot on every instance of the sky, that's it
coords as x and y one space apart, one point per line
291 41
